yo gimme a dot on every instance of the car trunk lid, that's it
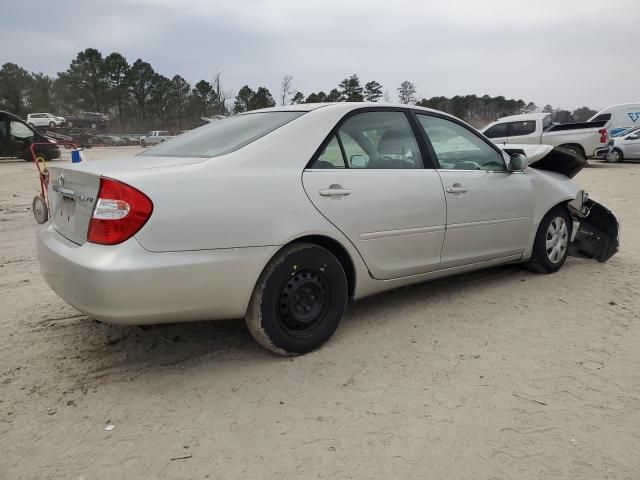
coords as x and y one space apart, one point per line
72 195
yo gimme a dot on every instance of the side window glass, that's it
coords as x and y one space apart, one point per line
356 156
457 148
521 128
331 156
380 140
499 130
20 131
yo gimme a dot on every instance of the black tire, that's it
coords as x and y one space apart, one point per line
143 143
299 300
52 124
617 158
545 259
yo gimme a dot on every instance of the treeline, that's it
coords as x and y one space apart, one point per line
139 98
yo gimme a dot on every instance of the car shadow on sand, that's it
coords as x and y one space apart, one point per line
113 351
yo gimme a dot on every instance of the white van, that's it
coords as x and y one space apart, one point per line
619 117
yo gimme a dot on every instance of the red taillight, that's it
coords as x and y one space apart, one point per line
603 135
120 212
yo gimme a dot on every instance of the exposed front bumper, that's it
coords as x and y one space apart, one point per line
127 284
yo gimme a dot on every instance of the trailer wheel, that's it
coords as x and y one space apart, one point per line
40 210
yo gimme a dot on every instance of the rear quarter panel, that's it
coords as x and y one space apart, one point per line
251 197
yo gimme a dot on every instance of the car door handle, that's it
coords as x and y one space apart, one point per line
456 189
335 191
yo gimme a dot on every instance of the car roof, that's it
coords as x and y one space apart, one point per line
344 106
523 117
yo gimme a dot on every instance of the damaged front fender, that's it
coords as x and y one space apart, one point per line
597 233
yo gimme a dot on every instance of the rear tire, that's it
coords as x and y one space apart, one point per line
615 156
143 143
52 124
551 245
299 300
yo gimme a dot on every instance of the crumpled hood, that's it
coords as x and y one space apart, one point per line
547 157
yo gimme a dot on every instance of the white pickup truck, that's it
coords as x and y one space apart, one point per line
155 137
585 138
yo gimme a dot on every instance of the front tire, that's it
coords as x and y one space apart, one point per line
551 245
299 300
615 156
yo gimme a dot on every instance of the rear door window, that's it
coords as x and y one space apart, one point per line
499 130
517 129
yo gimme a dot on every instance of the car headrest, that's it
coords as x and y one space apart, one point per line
395 142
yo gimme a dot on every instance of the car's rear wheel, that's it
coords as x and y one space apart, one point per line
298 301
143 143
615 156
551 245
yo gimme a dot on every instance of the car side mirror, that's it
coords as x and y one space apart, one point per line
517 162
358 161
633 137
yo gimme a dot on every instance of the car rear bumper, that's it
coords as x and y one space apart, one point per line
126 284
601 152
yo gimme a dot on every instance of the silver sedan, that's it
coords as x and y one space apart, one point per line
283 215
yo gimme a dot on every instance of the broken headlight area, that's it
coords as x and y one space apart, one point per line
598 230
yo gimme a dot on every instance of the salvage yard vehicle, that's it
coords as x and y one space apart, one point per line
619 117
16 137
44 120
154 137
94 120
282 215
537 128
625 146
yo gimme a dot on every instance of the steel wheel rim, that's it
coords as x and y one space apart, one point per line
557 240
303 302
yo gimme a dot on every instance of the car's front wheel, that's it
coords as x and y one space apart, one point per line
299 300
551 245
615 156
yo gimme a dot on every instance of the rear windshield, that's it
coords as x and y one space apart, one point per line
222 136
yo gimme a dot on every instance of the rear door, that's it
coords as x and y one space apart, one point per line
489 209
524 132
370 181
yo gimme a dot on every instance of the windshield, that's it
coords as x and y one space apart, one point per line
222 136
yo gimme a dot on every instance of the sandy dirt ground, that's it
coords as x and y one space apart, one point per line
500 374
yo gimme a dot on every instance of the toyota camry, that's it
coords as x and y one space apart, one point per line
282 216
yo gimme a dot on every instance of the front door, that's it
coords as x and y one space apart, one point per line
489 210
632 145
370 182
